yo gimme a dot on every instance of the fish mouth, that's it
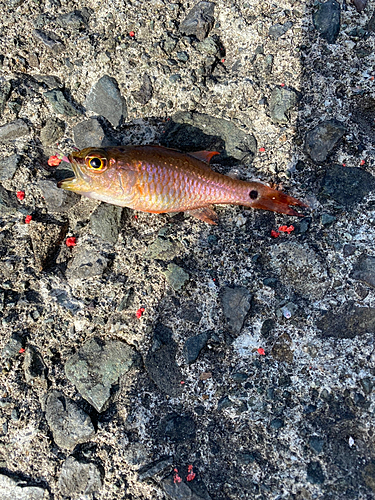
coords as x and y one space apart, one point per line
76 184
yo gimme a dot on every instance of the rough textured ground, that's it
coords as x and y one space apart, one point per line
250 371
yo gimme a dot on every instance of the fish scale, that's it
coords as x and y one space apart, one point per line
161 180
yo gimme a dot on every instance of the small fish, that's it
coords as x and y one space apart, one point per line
161 180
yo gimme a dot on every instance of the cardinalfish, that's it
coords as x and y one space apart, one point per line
161 180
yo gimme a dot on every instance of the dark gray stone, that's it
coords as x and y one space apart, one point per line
8 167
327 219
105 222
60 104
316 444
282 100
194 345
199 21
144 94
87 262
96 368
57 200
176 276
190 313
13 130
8 202
78 478
151 470
49 39
208 46
315 473
277 423
349 323
52 131
34 368
364 270
236 304
72 20
169 44
5 90
347 185
367 384
348 250
184 491
323 138
182 56
160 362
69 424
224 402
45 241
177 428
12 489
50 81
163 249
12 347
184 128
326 19
175 78
90 133
106 100
278 30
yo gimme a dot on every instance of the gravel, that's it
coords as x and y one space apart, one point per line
157 346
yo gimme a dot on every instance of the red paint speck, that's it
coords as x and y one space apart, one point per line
71 242
372 77
140 311
53 161
262 150
344 164
191 474
274 234
363 162
282 85
223 60
28 219
20 195
182 382
176 477
286 229
261 351
131 34
22 350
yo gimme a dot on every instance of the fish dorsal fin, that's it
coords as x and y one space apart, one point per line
204 213
204 155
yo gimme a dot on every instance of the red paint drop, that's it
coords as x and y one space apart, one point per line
71 242
28 219
53 161
140 311
20 195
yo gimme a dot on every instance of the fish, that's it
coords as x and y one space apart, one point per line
158 180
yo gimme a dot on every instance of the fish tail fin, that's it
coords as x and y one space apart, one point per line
266 198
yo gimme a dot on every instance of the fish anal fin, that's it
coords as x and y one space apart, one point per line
206 214
204 155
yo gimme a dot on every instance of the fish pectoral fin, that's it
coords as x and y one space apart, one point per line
204 155
206 214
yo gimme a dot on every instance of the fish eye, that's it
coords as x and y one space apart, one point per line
96 163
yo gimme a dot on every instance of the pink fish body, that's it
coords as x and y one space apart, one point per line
161 180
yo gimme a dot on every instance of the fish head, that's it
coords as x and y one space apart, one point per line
95 175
